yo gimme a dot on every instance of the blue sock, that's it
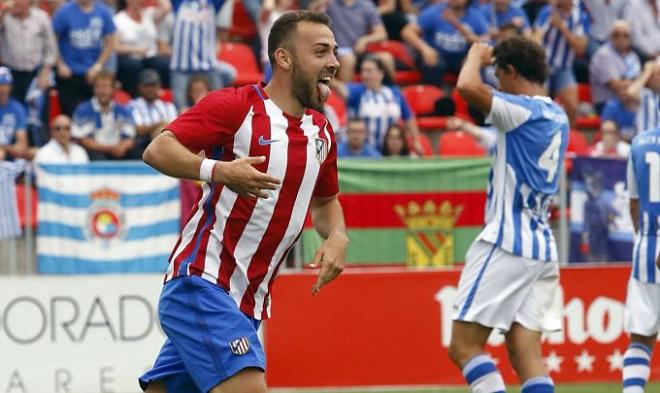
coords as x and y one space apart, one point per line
538 385
483 376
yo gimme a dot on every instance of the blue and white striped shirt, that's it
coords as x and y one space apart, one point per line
647 116
10 226
559 54
145 113
106 128
644 185
531 142
379 109
194 43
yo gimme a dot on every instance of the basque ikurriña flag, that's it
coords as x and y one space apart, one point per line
105 217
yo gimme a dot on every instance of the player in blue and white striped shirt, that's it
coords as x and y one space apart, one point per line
562 29
642 312
511 274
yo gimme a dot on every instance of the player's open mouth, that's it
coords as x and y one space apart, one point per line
323 87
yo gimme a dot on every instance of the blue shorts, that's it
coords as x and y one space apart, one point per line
208 338
559 80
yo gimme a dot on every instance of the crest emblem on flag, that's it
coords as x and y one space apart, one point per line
240 346
105 216
321 149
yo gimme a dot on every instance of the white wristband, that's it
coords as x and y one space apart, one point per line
206 170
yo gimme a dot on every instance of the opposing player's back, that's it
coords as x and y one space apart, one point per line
532 139
644 185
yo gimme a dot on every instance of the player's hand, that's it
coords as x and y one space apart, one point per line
483 52
331 258
429 56
243 178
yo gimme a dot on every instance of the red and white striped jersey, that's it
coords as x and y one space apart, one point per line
240 243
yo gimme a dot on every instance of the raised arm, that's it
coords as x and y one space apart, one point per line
469 85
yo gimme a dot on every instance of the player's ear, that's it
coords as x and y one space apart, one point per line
283 58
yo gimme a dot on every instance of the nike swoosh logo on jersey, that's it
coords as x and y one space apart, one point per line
264 142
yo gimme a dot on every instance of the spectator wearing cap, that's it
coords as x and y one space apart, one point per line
613 66
86 38
60 149
105 128
442 36
27 46
137 41
13 132
150 113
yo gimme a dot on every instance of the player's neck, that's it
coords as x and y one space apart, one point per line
279 91
527 88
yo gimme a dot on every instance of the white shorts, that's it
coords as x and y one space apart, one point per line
642 312
497 289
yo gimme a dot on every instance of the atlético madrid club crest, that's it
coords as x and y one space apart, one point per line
105 216
240 346
321 149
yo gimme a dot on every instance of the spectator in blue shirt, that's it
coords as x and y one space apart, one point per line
623 114
442 36
105 128
355 144
86 39
499 13
13 134
562 30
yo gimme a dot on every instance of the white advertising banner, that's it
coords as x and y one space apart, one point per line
78 334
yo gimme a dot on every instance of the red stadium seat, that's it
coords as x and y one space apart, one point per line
460 104
427 146
450 79
459 144
166 95
397 49
584 92
587 123
242 58
54 107
20 201
403 78
242 26
121 97
422 98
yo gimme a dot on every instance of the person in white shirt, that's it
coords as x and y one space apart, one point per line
61 149
611 145
137 41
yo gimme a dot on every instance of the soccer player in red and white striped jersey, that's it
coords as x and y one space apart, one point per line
270 157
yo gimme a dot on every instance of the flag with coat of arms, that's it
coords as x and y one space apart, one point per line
105 217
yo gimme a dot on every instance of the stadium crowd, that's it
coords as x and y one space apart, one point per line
118 71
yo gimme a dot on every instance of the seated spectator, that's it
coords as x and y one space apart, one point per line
61 149
442 36
499 13
643 18
610 145
86 38
137 41
13 133
356 24
150 113
27 46
355 144
613 66
198 87
395 144
105 128
562 29
378 103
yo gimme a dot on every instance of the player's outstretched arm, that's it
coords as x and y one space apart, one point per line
328 219
167 155
469 84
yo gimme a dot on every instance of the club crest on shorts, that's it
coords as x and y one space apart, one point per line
321 149
240 346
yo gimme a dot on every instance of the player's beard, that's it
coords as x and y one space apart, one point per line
304 88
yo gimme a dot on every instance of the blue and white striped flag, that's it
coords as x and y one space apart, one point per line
105 217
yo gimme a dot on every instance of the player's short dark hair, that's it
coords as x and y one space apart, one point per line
285 26
525 56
